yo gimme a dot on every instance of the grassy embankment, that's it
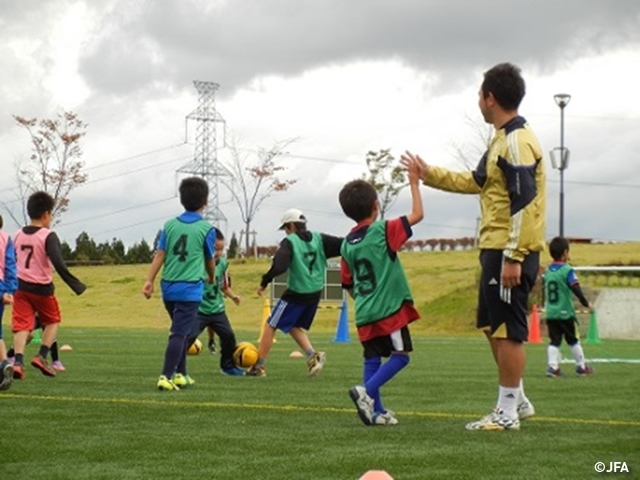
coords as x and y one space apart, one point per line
443 284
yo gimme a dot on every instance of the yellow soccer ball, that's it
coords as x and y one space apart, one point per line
195 348
245 355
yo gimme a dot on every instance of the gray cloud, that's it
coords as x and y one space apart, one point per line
239 40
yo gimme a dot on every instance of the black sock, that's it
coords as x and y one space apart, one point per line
19 358
54 351
44 351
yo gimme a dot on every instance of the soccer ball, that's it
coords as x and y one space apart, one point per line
195 348
245 355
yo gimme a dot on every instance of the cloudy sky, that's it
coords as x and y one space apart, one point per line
342 77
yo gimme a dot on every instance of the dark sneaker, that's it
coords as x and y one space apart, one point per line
553 372
587 370
42 365
7 375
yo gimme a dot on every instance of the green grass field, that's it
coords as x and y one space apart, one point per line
104 419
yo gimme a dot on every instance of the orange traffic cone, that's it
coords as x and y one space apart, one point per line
534 326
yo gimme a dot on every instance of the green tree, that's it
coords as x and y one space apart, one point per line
55 165
118 250
67 253
386 176
86 248
139 253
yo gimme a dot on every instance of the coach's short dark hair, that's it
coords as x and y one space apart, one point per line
38 204
557 246
357 199
194 193
506 84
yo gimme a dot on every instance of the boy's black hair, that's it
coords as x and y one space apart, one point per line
40 203
1 221
557 247
219 235
506 83
194 193
357 199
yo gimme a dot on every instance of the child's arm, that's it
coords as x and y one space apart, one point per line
156 264
577 291
229 293
414 166
9 284
54 252
279 264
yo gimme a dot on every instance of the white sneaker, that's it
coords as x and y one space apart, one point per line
316 362
525 409
494 421
363 402
386 418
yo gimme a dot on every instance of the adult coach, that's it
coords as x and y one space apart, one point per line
510 179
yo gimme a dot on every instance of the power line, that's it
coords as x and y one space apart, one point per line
155 202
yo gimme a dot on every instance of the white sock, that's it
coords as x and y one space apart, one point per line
521 396
508 401
578 354
553 356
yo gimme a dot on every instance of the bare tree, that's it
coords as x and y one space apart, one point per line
386 176
251 180
469 153
55 164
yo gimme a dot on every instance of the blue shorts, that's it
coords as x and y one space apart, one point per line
184 316
287 315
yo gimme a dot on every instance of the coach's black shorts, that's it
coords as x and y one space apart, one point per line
504 311
398 341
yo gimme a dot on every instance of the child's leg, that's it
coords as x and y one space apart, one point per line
371 366
183 322
54 351
182 362
174 355
555 340
397 361
48 338
211 344
571 338
221 326
266 340
301 338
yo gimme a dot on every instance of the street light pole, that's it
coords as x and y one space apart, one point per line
562 100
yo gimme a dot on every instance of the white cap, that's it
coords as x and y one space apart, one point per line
290 216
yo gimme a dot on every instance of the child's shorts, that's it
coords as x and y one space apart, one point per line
287 315
25 307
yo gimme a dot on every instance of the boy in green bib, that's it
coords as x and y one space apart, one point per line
560 284
186 247
372 273
304 255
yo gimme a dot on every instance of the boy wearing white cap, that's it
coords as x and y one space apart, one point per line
303 254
